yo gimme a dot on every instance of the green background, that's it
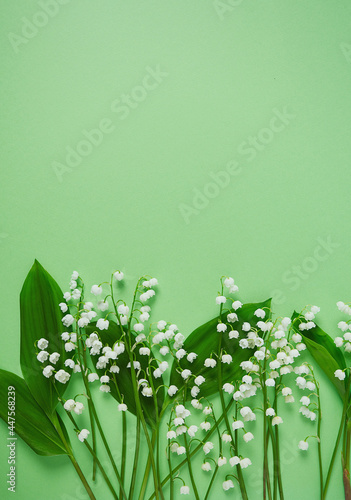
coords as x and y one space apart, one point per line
225 71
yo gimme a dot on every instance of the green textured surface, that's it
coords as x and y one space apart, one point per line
144 198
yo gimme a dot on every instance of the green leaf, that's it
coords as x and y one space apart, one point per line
41 317
124 378
204 341
31 422
324 351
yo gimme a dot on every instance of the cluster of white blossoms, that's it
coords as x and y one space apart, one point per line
275 349
86 315
305 380
108 360
180 423
345 340
149 350
72 405
50 360
309 402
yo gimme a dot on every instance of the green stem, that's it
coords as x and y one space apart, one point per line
169 460
136 389
277 449
104 440
109 452
266 477
220 454
91 417
344 440
102 470
320 462
266 474
70 455
74 462
124 436
331 465
147 471
146 431
342 422
217 467
235 439
271 433
157 431
81 476
280 482
192 453
192 479
136 458
348 445
124 450
190 469
93 434
224 410
346 461
211 482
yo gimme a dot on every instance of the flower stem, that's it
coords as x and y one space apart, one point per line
169 459
319 440
238 468
345 459
104 440
347 487
136 458
81 476
102 470
192 479
157 414
124 437
337 442
224 410
96 418
275 440
192 453
146 431
217 467
75 464
124 449
211 482
136 388
147 471
70 455
266 477
348 443
270 432
93 435
91 416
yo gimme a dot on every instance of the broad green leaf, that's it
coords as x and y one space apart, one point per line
41 317
124 379
324 351
31 422
204 341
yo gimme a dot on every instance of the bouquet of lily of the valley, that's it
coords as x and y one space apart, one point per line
192 405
